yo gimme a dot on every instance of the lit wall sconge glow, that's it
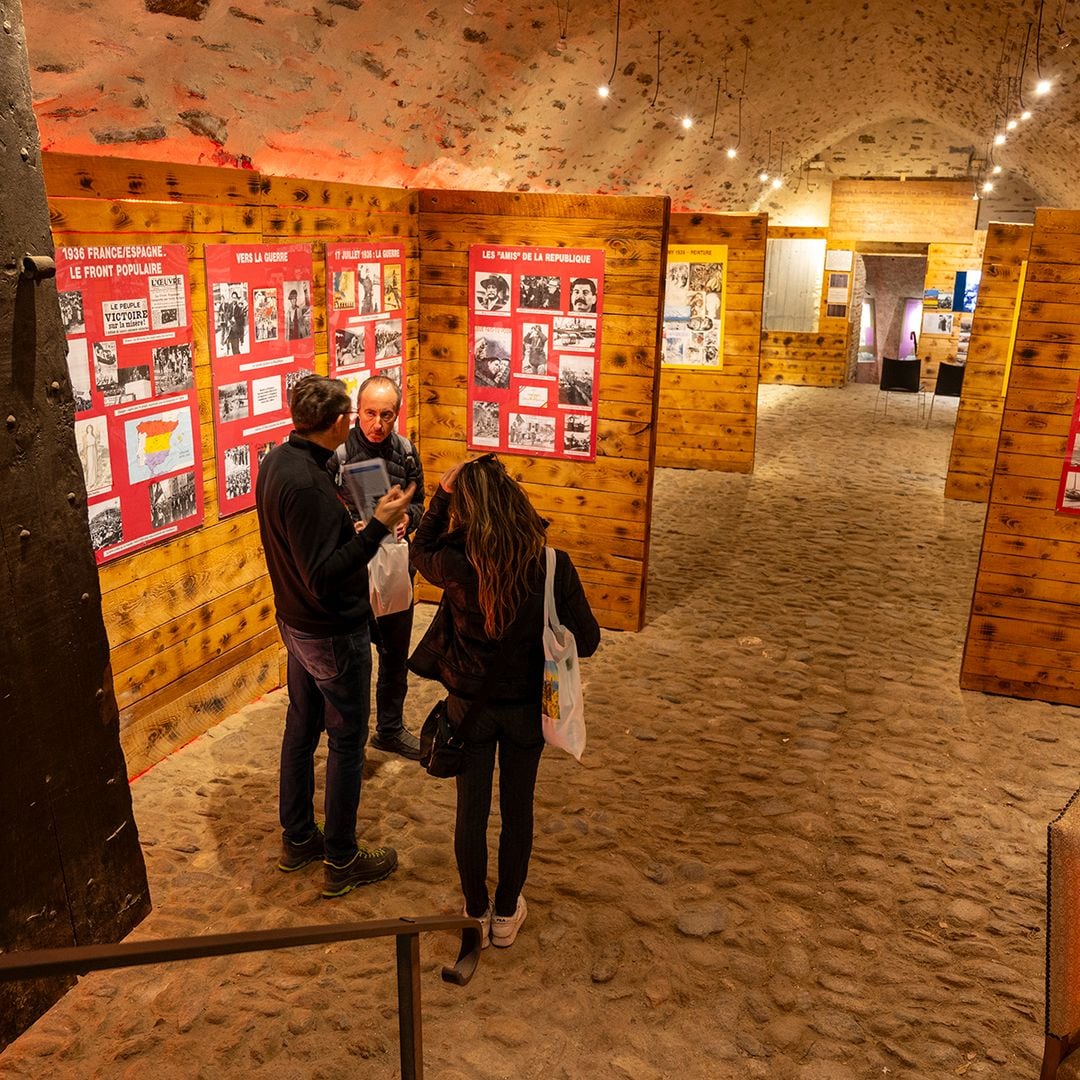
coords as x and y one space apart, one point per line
687 122
1042 87
604 90
996 170
732 152
999 139
1026 114
777 182
988 187
1011 125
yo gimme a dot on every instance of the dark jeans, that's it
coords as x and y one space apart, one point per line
329 681
392 635
515 732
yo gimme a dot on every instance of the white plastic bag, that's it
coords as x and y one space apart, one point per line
562 701
388 578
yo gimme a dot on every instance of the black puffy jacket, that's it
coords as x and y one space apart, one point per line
402 466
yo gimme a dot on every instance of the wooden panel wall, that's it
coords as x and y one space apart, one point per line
600 512
799 359
978 418
903 211
1024 635
191 621
708 420
943 262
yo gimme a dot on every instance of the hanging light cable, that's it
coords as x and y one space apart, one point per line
1043 85
763 176
733 151
564 23
656 93
778 179
715 111
605 89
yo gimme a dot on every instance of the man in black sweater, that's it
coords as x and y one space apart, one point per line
373 436
318 568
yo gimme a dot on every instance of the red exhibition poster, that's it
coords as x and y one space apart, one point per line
261 344
365 306
1068 497
534 350
127 318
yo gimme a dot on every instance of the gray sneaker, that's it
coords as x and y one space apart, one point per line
368 865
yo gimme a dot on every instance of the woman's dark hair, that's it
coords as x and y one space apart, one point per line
504 538
317 402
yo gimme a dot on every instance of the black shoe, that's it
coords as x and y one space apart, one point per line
366 866
297 856
404 743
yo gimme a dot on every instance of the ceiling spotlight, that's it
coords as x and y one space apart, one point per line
732 152
975 196
1064 39
987 186
1011 125
1042 87
996 170
560 45
687 122
763 176
1026 114
777 183
604 90
470 7
999 139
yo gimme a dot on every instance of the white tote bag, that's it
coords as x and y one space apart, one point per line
389 584
563 703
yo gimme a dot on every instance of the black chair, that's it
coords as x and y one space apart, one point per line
950 379
900 377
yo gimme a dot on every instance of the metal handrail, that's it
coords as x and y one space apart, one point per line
78 960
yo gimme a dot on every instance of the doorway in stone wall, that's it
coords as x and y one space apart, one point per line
894 276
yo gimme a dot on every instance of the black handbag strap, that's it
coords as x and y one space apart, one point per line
515 635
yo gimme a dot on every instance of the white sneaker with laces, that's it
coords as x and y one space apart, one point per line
504 928
485 924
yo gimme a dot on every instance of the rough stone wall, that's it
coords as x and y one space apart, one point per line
423 94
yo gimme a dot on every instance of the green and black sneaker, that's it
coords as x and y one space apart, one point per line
366 866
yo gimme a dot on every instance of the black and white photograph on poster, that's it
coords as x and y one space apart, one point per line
231 319
492 293
237 471
485 422
167 307
369 283
583 295
392 289
697 350
106 375
92 443
388 339
78 363
233 402
125 316
393 373
349 347
71 312
541 292
265 314
576 432
575 380
135 383
297 310
707 278
573 333
172 499
266 395
534 342
344 291
173 369
1070 497
491 356
937 322
262 450
291 379
531 432
106 523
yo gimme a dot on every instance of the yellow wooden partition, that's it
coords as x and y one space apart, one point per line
191 621
708 419
943 263
600 512
978 418
1024 634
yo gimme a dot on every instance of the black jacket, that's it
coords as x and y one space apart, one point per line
456 651
317 561
402 466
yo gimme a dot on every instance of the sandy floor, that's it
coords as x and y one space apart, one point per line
795 848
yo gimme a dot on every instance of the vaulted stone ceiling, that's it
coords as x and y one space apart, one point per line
399 92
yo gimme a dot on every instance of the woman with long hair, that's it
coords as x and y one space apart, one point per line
482 542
